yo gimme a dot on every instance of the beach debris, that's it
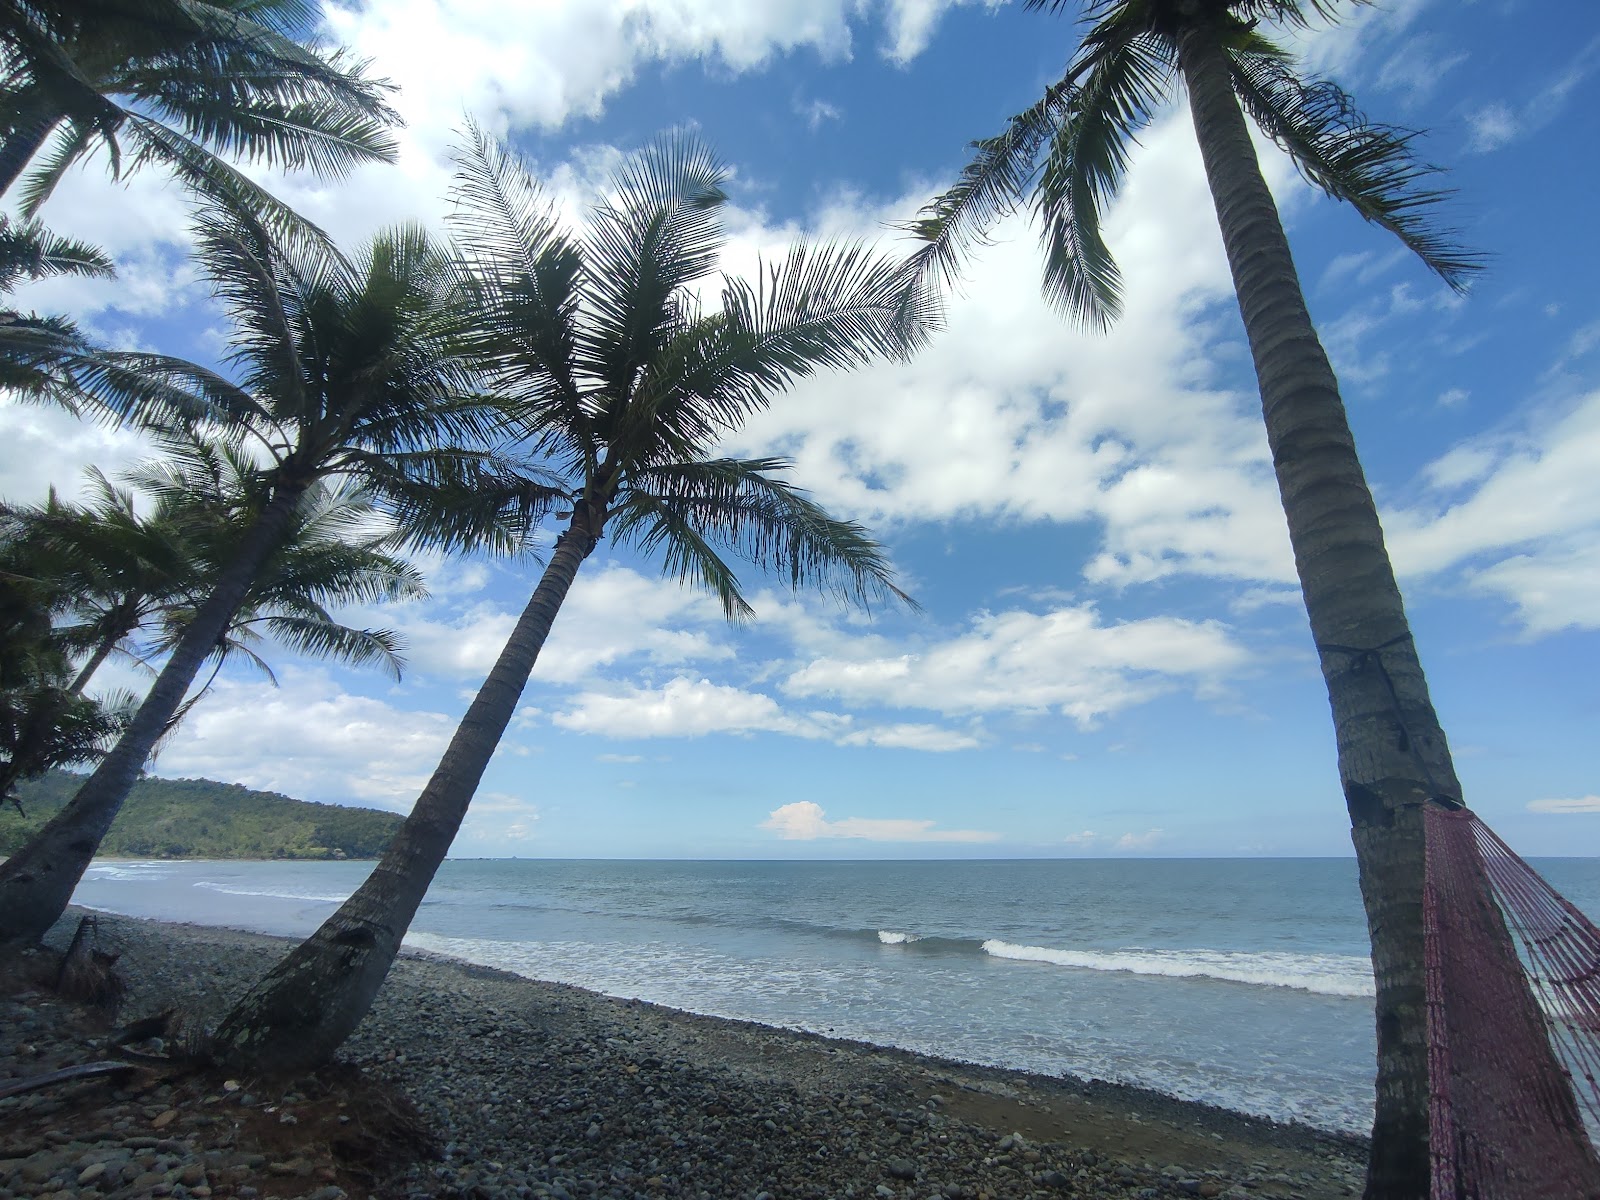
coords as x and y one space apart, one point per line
88 974
94 1070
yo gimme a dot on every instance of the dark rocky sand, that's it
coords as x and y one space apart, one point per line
465 1082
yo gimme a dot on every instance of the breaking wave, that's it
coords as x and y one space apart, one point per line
1327 974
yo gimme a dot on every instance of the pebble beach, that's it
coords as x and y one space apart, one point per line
469 1082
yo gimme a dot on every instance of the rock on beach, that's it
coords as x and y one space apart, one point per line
468 1082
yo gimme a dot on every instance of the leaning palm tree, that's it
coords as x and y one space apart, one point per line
349 370
625 383
178 83
1070 151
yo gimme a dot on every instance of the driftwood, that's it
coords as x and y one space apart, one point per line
92 1070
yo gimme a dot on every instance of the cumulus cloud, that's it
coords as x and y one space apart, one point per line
612 614
1581 804
310 739
682 708
1533 486
1066 660
1115 843
805 821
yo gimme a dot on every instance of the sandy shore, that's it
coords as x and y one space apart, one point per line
533 1089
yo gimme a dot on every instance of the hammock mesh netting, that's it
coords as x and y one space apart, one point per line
1508 1119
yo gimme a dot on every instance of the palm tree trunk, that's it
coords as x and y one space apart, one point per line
36 883
303 1010
1392 754
101 653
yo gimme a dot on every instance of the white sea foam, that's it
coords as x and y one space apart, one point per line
894 937
337 898
127 870
1328 974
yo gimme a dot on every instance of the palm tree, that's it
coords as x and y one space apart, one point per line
130 583
1070 151
625 383
350 370
43 722
178 82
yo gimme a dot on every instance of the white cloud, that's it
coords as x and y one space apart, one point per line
1493 126
1016 661
806 821
682 708
1582 804
1115 843
815 112
1140 841
309 739
910 736
1499 123
611 614
1532 487
1552 590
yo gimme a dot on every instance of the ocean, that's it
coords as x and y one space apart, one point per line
1243 982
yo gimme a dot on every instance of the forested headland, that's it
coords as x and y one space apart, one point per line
201 818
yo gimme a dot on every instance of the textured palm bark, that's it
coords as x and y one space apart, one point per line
37 882
1392 754
306 1006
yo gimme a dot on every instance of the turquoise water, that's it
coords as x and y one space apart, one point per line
1243 982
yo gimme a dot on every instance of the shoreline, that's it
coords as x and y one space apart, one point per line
567 1092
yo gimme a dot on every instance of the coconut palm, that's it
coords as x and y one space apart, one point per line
625 383
179 82
349 370
130 582
43 722
1070 151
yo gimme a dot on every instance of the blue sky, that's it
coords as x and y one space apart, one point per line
1113 658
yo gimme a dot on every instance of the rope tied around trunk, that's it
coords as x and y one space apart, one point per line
1364 656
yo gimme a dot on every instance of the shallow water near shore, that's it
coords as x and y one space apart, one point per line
1242 983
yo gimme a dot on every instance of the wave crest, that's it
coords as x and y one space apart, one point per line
895 937
1327 974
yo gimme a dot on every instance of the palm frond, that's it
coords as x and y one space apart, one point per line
1337 149
659 233
329 639
740 504
1123 73
522 275
29 251
993 184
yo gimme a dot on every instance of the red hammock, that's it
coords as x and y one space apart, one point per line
1507 1118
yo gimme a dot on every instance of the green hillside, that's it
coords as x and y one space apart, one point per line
200 818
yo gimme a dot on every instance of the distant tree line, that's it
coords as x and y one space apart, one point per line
201 818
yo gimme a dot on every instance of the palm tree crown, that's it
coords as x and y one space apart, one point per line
625 378
1069 150
179 82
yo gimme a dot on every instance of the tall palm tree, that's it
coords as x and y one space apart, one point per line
625 383
1070 151
349 370
179 82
